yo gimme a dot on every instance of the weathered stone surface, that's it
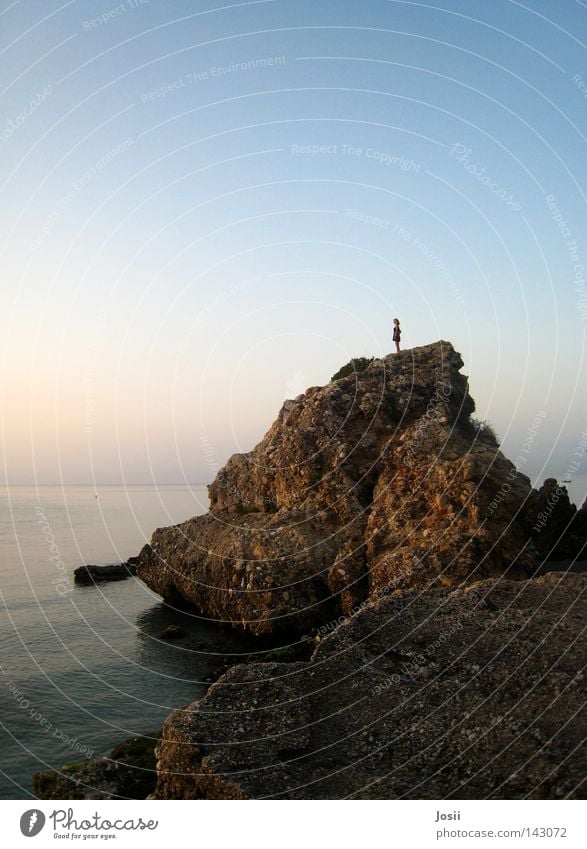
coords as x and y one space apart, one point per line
470 693
374 481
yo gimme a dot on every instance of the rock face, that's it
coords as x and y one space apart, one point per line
471 693
374 482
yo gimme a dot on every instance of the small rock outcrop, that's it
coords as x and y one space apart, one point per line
173 632
375 482
129 773
90 574
472 693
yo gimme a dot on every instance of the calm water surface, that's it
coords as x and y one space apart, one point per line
83 668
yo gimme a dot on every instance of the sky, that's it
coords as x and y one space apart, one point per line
207 208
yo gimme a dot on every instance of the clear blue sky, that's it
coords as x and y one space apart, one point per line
208 208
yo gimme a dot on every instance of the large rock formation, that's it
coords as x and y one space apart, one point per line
374 482
470 693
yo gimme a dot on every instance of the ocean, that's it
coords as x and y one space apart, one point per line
84 668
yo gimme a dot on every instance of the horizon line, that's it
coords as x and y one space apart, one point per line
97 485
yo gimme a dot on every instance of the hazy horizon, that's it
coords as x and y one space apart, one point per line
210 209
576 487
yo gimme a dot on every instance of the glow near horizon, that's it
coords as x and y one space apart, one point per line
179 264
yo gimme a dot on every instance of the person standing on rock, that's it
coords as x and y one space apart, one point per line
397 333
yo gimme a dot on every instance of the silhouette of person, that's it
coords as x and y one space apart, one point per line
396 333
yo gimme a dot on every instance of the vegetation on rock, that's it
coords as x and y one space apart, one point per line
354 366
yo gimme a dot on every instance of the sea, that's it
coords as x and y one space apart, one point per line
85 668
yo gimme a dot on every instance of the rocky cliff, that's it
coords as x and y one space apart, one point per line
468 694
375 482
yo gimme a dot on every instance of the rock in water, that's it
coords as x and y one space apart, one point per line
129 773
90 574
467 694
374 482
173 632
